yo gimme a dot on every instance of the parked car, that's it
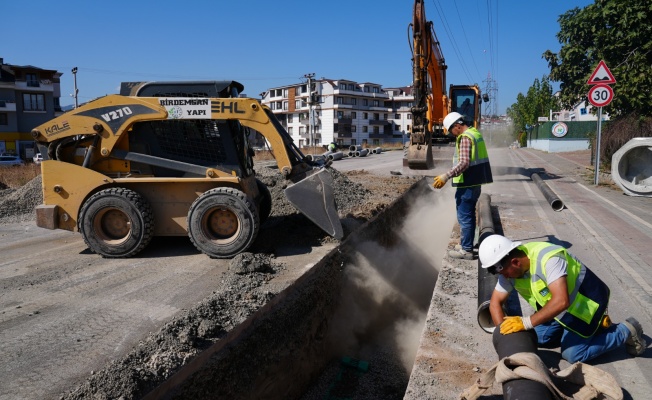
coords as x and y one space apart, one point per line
37 158
6 161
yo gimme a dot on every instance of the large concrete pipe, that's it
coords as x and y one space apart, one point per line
362 153
554 201
631 167
377 150
520 342
355 147
337 155
486 281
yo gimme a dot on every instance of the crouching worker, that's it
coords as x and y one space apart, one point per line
569 299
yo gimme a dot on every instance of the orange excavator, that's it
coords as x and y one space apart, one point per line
431 103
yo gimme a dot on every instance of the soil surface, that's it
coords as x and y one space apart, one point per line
249 282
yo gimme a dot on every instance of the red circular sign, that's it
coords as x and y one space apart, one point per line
601 95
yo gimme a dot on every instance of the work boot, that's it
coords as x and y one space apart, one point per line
635 344
461 254
458 247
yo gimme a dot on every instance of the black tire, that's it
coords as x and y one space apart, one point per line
116 223
222 222
265 206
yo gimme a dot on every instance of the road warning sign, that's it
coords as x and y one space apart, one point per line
601 75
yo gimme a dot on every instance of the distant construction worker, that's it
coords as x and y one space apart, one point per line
471 170
569 299
332 146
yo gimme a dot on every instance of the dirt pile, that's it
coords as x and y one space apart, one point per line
17 205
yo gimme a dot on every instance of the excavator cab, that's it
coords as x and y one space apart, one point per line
466 100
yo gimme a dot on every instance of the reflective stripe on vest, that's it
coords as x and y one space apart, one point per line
588 295
479 170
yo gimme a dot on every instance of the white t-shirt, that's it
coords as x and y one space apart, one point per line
556 267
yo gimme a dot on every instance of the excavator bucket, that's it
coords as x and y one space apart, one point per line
314 197
419 156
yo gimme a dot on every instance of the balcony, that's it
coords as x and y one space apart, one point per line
379 122
7 106
345 120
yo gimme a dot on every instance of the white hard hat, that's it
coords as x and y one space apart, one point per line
495 248
451 118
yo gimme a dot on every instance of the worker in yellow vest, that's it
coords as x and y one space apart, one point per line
569 300
470 171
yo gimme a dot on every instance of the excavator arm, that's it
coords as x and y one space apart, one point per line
429 89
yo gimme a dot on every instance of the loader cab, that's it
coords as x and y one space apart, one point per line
466 100
206 142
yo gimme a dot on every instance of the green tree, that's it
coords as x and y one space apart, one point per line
538 102
616 31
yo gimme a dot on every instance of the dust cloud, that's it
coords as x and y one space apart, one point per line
386 296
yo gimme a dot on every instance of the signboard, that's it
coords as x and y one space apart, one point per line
559 129
186 107
601 95
601 75
542 119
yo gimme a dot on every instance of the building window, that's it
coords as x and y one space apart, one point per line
353 128
301 130
290 130
290 116
376 142
354 101
365 129
365 102
33 102
4 119
32 80
297 91
340 114
397 116
350 86
366 89
285 105
297 104
342 86
365 116
409 116
340 100
354 115
376 90
385 117
376 116
375 103
376 129
285 93
582 111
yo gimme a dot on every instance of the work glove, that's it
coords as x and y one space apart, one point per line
515 324
440 181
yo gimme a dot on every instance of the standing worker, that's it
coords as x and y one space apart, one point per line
332 146
569 299
471 170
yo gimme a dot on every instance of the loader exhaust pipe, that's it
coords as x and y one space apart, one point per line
554 201
486 281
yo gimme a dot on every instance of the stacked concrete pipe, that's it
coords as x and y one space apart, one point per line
631 167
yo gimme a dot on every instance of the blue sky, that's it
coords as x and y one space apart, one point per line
264 44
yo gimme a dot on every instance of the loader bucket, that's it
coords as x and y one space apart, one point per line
314 197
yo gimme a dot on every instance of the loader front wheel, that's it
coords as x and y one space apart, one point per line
116 223
222 222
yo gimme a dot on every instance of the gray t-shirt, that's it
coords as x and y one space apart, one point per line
556 267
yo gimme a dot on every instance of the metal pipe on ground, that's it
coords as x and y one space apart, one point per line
362 153
520 342
554 201
337 155
486 281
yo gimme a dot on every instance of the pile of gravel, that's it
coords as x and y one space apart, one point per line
17 205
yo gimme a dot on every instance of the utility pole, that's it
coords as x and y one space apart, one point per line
311 118
74 75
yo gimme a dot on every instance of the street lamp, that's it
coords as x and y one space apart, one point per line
74 75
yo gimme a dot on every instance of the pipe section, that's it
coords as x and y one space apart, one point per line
337 155
631 167
377 150
355 147
520 342
486 281
554 201
362 153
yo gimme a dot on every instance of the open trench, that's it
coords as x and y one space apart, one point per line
348 327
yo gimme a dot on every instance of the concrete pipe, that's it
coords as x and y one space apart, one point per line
486 281
351 153
554 201
355 147
362 153
631 167
337 155
520 342
377 150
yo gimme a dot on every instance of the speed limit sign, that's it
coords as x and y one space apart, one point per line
601 95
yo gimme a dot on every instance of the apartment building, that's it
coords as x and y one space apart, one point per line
342 111
29 96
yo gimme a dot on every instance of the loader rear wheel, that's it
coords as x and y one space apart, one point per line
265 207
116 223
222 222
